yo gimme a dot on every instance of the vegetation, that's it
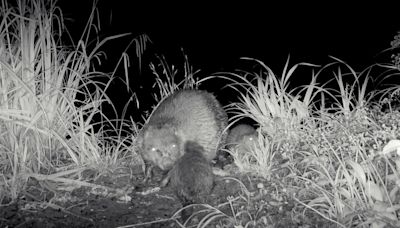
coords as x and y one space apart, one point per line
52 124
326 152
340 160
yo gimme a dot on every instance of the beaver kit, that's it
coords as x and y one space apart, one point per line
240 138
191 177
242 135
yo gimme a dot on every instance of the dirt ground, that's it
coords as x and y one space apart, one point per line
127 202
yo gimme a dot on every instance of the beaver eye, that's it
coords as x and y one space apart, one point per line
173 146
153 149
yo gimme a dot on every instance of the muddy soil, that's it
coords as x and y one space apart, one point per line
127 202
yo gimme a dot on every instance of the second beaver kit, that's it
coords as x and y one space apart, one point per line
241 139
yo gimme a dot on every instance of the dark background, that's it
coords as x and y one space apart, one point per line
215 35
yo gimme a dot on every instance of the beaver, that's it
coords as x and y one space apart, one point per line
191 177
242 135
240 138
194 115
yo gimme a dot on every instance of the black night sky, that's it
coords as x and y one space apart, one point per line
216 35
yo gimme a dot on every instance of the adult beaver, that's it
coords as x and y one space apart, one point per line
186 115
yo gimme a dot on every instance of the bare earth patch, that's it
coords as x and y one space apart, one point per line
127 202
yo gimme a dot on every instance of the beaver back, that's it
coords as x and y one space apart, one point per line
191 115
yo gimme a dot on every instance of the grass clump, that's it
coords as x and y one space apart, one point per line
51 100
278 111
331 157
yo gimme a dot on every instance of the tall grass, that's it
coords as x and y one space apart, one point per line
335 152
266 98
278 110
50 98
169 79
